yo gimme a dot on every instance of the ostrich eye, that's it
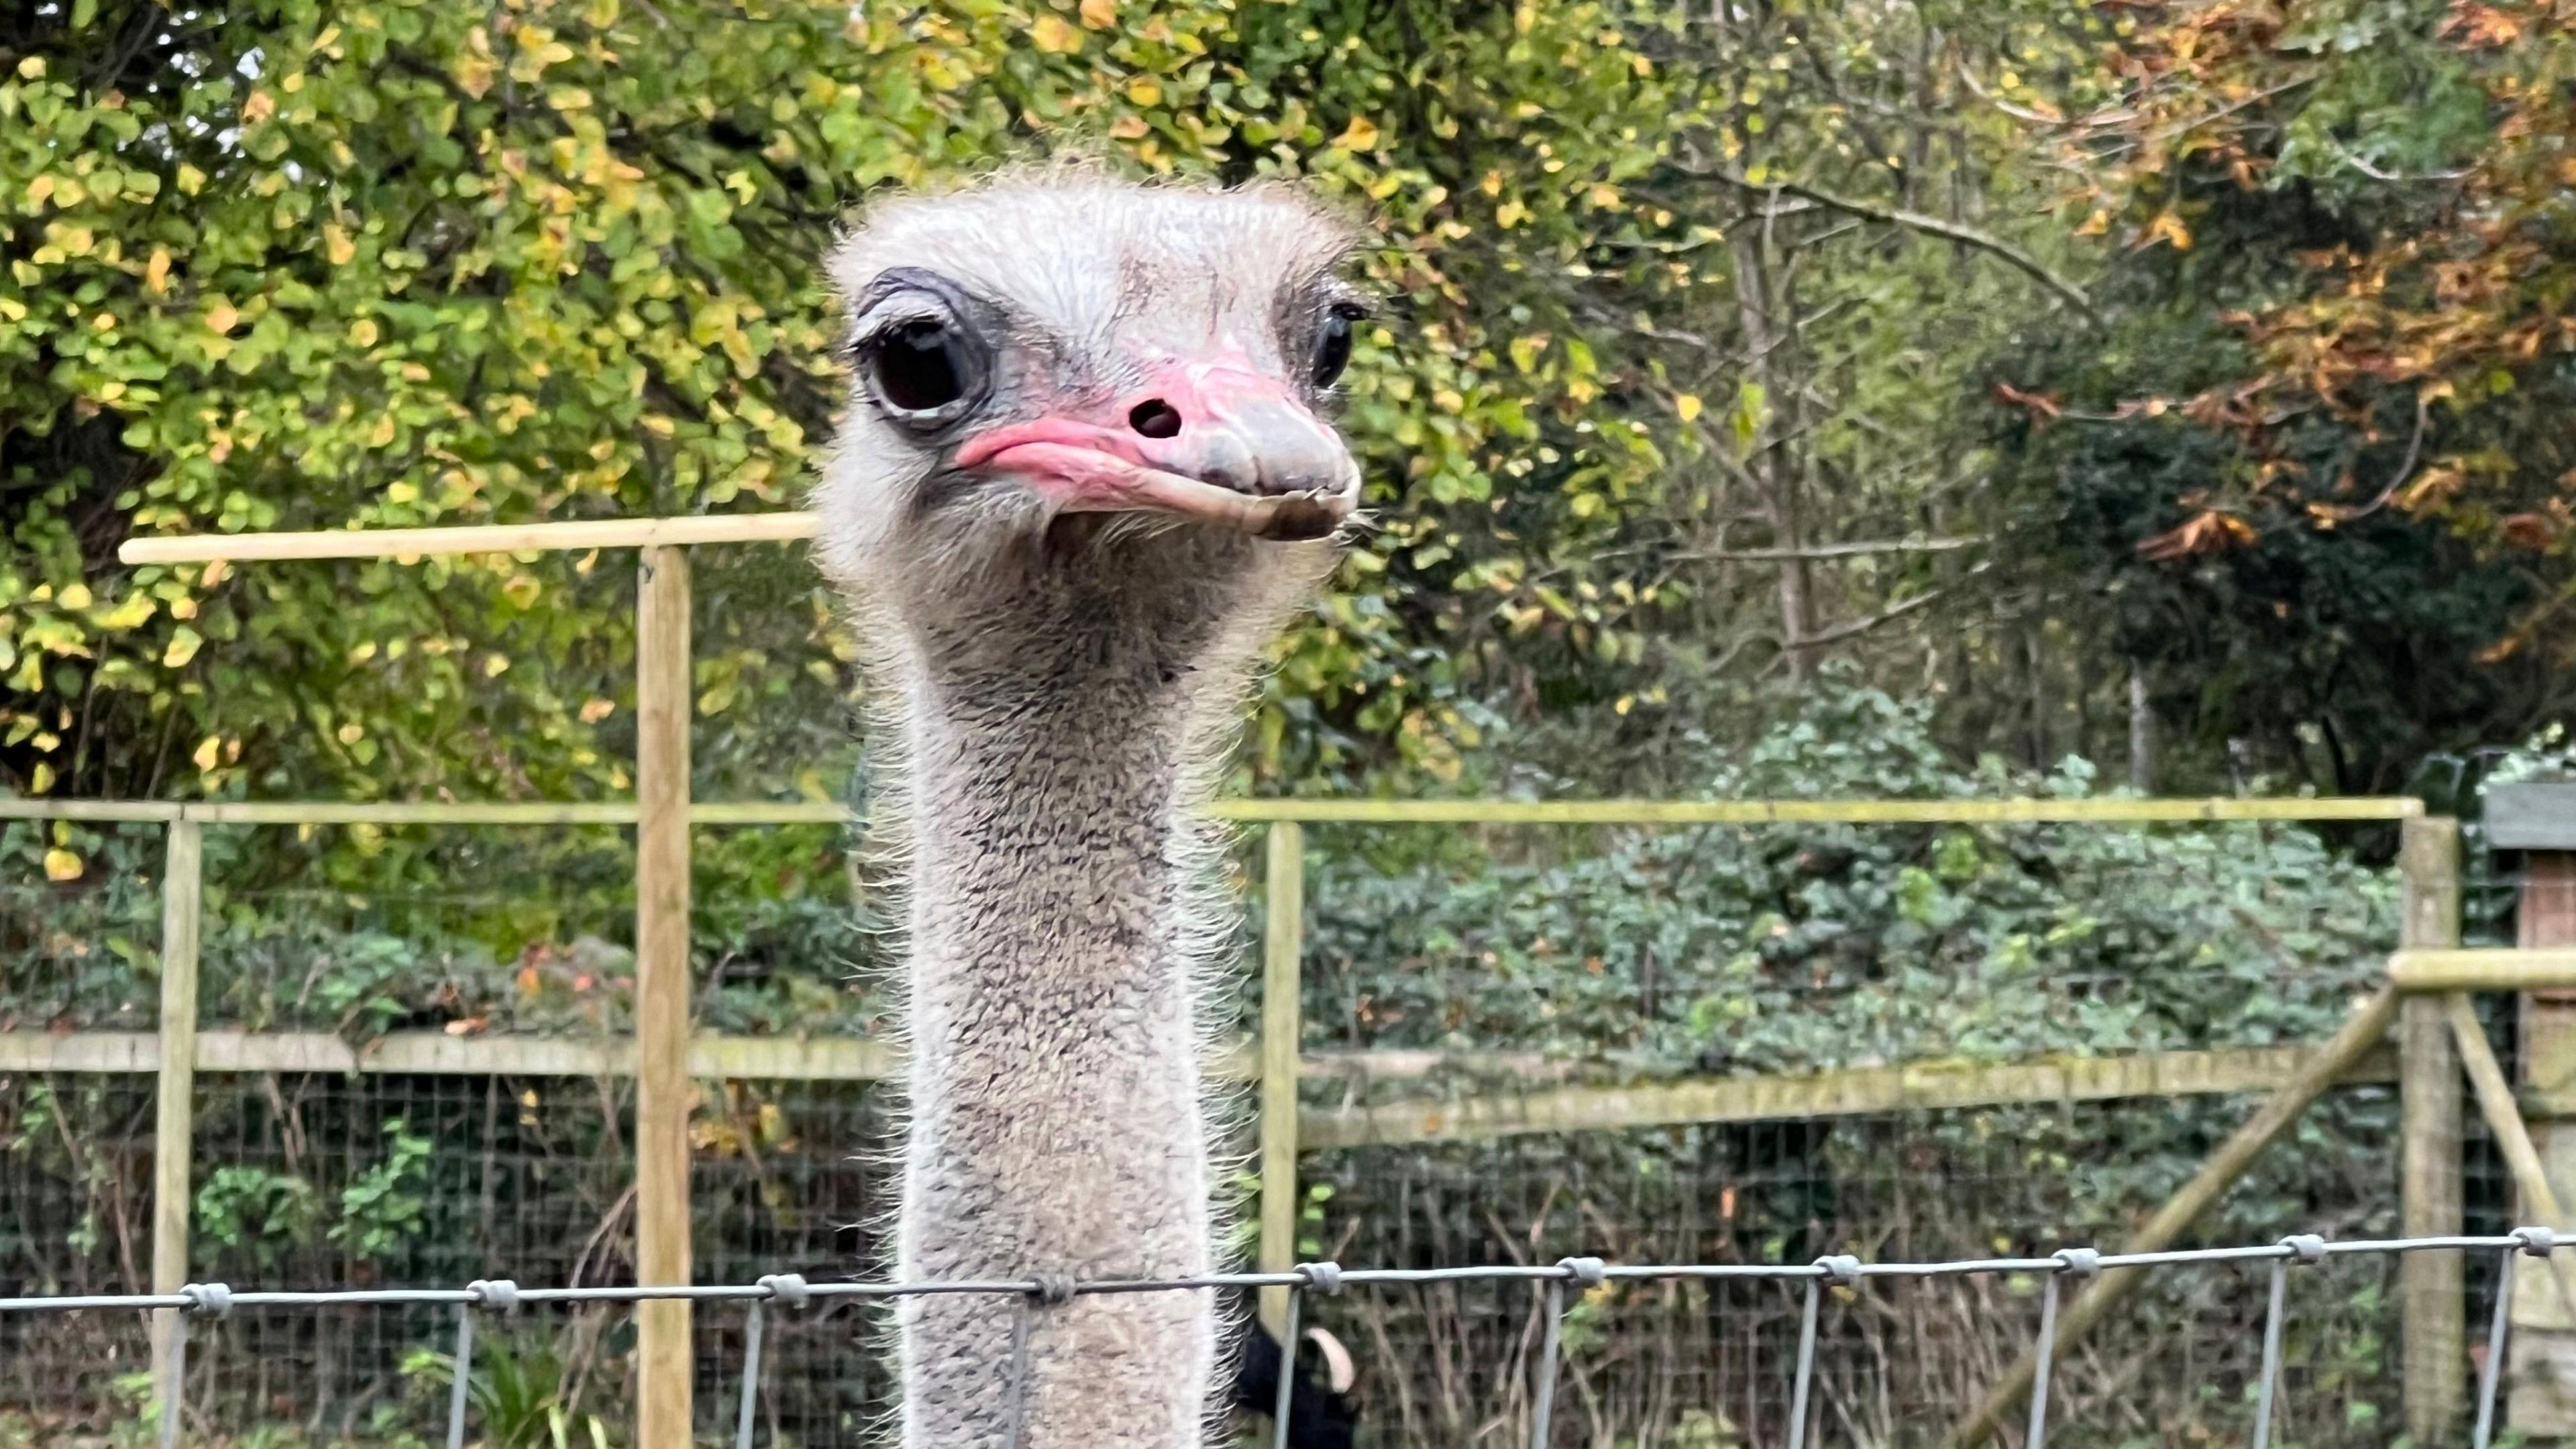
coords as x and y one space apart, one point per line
923 366
1333 344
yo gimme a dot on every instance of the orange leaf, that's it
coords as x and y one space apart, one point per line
2528 530
2206 532
2038 402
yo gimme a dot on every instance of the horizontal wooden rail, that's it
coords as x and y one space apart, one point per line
513 1054
1556 1109
1787 812
403 544
1344 812
432 812
2483 968
432 1053
1855 1092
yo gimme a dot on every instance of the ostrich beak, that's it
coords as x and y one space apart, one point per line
1214 442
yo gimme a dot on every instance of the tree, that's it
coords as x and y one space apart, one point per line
2314 469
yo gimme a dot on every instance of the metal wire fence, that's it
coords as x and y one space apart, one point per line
200 1303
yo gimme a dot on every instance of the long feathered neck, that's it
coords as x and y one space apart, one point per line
1048 877
1057 1119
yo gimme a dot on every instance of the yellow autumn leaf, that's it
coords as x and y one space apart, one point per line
221 317
61 864
1144 91
1100 14
595 710
2167 227
1360 135
215 573
75 596
183 647
130 612
337 246
40 779
1053 36
39 189
1688 406
259 107
363 332
156 272
208 752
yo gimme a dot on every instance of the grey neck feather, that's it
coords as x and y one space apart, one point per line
1055 1079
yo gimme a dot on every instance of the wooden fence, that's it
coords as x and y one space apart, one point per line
665 1058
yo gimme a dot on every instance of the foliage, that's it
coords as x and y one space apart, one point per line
1790 948
383 1207
255 1210
309 266
2317 461
520 1391
401 264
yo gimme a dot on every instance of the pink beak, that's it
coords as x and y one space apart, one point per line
1211 441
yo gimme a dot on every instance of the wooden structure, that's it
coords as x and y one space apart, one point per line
2537 821
666 1058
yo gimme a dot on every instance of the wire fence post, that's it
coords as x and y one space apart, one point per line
788 1290
1281 1400
1841 1269
2081 1264
1283 942
2432 1291
662 1090
1585 1273
174 1113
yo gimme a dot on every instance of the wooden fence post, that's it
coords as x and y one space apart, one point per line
1283 941
665 1366
2538 819
174 1115
2431 1291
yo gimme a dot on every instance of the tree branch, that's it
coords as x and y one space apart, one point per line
1840 632
1843 550
1961 233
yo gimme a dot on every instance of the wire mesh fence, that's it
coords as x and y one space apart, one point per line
1556 1290
1603 960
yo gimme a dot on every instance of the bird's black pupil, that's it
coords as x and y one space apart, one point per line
920 367
1333 349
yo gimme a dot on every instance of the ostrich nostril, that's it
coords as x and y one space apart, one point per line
1155 418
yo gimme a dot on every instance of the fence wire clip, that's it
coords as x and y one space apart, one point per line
497 1294
1586 1273
2078 1262
2305 1248
2538 1242
207 1300
1840 1269
1324 1278
787 1290
1051 1289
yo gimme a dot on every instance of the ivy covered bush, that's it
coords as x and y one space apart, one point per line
1781 948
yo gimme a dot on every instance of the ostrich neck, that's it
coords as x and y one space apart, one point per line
1055 1076
1052 750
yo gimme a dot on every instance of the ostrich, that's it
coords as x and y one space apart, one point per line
1081 482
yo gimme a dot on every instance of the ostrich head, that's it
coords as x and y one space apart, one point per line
1081 402
1083 473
